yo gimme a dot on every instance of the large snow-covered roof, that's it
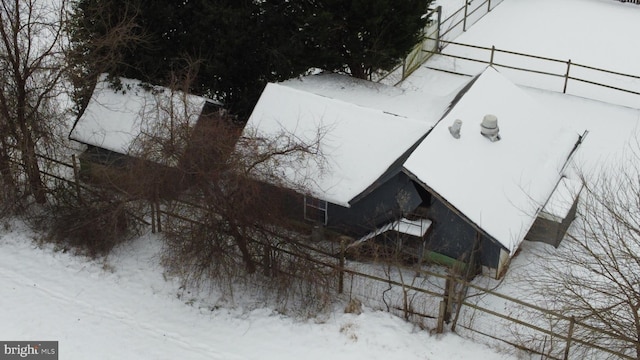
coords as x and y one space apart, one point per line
114 118
358 144
499 186
419 105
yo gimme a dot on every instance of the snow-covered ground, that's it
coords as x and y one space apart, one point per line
580 30
123 308
595 33
600 33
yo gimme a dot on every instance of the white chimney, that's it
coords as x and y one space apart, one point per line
489 127
455 128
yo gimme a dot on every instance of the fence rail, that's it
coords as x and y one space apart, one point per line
459 21
489 56
437 30
452 22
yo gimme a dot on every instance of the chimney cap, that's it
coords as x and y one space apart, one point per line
455 128
489 127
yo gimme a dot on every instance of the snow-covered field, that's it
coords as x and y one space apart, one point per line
123 307
595 33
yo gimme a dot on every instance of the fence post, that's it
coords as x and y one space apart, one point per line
464 21
449 286
489 6
341 269
156 204
158 215
76 175
153 217
441 316
493 50
569 337
267 260
566 77
439 11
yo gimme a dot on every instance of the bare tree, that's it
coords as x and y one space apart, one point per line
226 202
595 274
99 38
32 65
240 185
241 224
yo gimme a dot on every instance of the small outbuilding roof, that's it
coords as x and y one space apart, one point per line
498 186
559 204
415 228
115 118
358 144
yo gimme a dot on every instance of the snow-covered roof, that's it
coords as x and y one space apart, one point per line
499 186
114 119
358 144
415 228
418 105
559 204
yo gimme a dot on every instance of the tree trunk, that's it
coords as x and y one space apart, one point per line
5 169
358 71
635 309
32 170
249 264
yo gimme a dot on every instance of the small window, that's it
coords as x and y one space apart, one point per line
315 210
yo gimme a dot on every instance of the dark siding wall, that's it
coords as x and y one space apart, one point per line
568 220
388 202
546 231
549 231
454 237
106 157
287 203
131 176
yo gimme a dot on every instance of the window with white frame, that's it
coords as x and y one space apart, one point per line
315 210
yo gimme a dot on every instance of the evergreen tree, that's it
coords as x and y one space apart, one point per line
234 47
362 36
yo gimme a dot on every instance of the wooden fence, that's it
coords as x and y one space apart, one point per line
551 74
436 30
460 20
566 71
428 296
425 48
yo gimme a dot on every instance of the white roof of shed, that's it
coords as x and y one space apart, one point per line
499 186
358 144
113 118
415 228
559 204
